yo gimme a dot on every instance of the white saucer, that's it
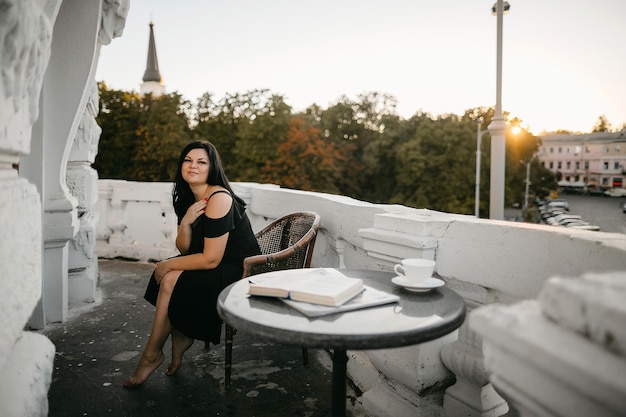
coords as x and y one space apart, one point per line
423 286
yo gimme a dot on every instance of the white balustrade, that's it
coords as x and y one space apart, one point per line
487 262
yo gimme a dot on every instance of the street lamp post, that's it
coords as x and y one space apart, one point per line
497 129
479 138
527 189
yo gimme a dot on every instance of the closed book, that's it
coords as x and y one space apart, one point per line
324 286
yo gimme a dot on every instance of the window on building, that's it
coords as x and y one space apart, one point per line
587 150
605 165
551 150
616 165
606 149
568 164
558 165
551 165
577 164
617 148
577 150
560 150
605 181
586 164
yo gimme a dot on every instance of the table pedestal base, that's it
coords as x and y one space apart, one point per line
338 399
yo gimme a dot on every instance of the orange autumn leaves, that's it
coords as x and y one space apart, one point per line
306 161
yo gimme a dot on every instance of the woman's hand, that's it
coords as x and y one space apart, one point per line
194 211
160 271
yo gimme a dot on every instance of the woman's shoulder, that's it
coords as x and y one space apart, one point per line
219 203
220 192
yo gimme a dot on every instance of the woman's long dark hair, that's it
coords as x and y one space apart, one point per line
182 197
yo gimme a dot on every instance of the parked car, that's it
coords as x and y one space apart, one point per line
615 192
583 226
557 202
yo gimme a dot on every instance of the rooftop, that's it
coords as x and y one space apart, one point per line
99 346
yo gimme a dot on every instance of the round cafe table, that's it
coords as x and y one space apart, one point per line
416 318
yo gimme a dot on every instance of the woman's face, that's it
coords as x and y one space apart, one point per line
195 169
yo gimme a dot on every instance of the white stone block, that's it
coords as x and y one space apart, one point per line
20 257
26 377
593 306
545 369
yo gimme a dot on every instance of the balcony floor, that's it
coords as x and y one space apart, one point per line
99 346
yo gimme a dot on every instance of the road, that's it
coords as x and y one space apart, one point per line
605 212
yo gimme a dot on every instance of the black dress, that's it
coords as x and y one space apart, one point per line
192 309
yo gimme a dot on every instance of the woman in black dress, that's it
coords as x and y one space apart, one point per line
214 236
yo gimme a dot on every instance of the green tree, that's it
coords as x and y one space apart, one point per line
433 168
602 125
262 128
379 177
339 125
218 122
163 132
119 121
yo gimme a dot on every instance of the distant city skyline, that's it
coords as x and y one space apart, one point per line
563 62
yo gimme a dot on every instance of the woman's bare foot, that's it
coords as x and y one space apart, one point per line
180 344
145 368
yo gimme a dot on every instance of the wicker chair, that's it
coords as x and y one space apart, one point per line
286 243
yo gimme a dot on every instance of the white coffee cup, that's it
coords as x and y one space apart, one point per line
415 269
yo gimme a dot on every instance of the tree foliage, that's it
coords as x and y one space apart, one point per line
163 132
602 125
119 121
305 161
359 148
141 137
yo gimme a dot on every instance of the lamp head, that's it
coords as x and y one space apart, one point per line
506 7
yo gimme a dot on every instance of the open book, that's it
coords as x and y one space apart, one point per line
369 298
325 286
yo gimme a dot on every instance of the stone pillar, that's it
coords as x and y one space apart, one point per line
67 87
79 31
26 358
472 395
563 355
82 181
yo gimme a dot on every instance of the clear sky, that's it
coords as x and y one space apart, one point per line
564 62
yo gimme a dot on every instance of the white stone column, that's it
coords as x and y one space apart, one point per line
65 93
82 181
26 358
563 355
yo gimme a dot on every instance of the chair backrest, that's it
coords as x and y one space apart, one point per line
286 243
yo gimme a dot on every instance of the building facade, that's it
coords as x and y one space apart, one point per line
593 160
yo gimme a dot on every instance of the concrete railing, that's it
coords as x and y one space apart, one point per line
488 262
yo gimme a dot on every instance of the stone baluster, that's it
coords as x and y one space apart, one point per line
563 355
472 395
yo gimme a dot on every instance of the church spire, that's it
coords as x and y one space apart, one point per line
152 66
152 76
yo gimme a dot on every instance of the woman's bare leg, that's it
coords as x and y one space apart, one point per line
180 344
152 356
